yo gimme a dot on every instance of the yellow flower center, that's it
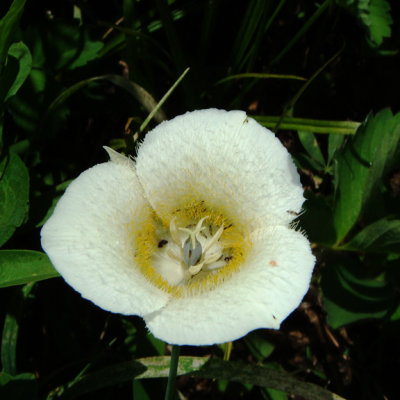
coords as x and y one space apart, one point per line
191 250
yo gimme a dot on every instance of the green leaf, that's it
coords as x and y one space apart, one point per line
9 344
17 69
8 26
10 329
23 266
316 209
382 236
379 21
200 367
310 144
374 15
14 195
65 44
360 167
20 52
335 141
139 392
259 345
81 50
350 296
18 387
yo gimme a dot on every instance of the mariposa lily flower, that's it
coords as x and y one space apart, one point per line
195 235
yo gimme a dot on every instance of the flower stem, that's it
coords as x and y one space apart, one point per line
173 367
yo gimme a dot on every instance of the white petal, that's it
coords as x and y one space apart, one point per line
269 286
87 239
224 158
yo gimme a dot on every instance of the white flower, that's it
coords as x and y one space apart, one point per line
195 236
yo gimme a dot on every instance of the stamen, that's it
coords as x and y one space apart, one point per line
195 269
214 239
192 233
174 232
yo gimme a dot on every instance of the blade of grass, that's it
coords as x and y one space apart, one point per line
274 14
302 31
252 54
251 23
137 91
289 107
175 46
260 76
207 29
160 103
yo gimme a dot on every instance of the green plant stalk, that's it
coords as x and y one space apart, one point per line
173 368
309 125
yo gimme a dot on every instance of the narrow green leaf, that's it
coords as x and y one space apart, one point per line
23 266
334 143
207 25
137 91
361 165
350 296
259 75
201 367
309 142
175 45
18 387
14 195
9 344
259 345
309 125
10 329
382 236
21 53
253 21
8 26
1 131
139 392
317 209
303 161
318 12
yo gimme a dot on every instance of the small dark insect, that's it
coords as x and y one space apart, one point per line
292 213
162 243
228 258
273 316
